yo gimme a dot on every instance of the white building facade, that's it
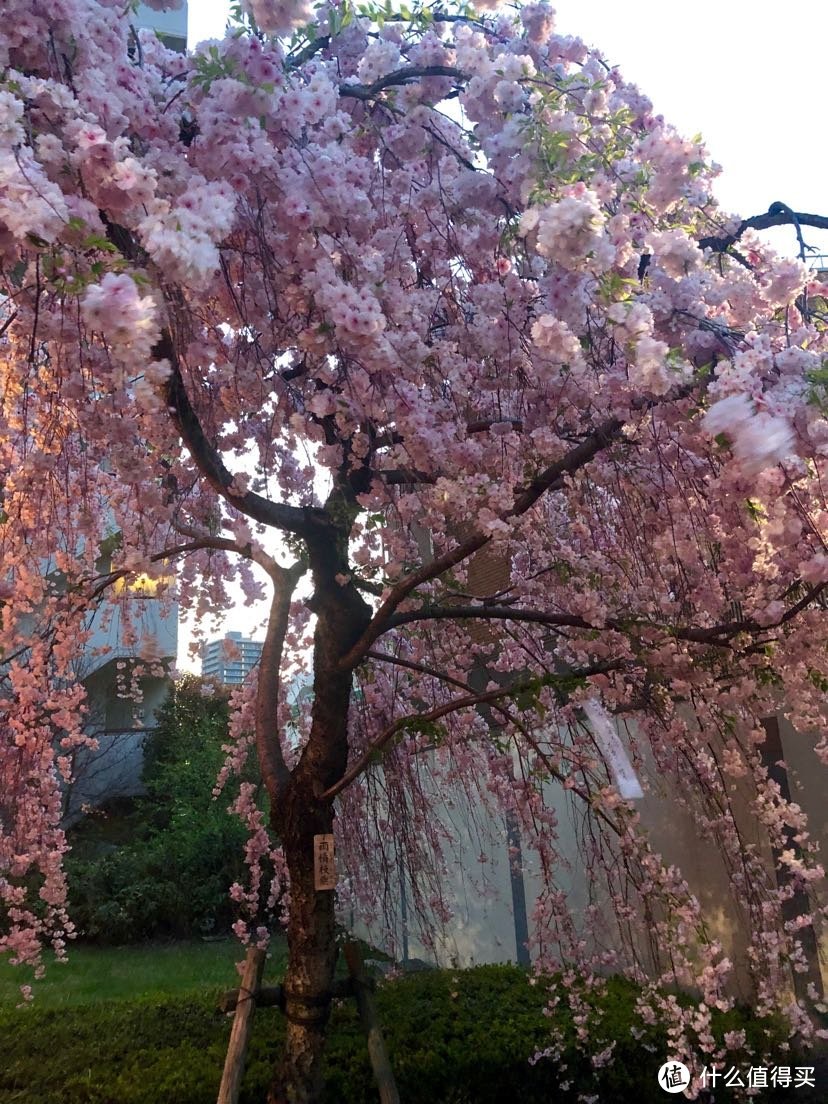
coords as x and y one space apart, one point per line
169 25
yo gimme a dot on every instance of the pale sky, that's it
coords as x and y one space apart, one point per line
751 77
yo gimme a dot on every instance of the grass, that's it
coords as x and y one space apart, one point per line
148 971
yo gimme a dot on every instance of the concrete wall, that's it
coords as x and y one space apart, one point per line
483 929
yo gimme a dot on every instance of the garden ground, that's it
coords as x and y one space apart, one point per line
148 971
137 1025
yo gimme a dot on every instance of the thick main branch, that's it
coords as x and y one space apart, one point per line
208 460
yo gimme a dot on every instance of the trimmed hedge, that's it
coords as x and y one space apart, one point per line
455 1037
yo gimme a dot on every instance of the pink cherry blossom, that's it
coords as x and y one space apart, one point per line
503 414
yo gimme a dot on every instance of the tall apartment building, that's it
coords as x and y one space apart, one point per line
230 659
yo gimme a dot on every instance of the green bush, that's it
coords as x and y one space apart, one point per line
177 851
455 1037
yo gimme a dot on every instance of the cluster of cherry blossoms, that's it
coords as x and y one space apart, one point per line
759 439
115 308
279 17
571 231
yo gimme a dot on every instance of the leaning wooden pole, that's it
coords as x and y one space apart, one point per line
363 991
231 1079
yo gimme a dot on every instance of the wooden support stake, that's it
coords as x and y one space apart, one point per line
383 1073
231 1079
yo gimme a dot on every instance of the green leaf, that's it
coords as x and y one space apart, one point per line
17 273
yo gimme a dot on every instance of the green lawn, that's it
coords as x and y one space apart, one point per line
95 974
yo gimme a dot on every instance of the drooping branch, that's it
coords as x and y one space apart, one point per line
268 745
388 734
399 78
508 715
479 425
419 668
468 701
205 455
198 544
502 708
719 635
495 613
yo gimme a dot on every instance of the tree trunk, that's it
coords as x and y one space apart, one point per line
298 813
308 981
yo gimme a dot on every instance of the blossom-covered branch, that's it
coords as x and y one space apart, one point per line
208 459
399 78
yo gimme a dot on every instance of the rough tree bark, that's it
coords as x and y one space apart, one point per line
309 978
300 811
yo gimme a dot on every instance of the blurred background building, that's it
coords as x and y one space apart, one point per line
230 659
170 26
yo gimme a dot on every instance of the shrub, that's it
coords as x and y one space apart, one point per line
178 851
455 1037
